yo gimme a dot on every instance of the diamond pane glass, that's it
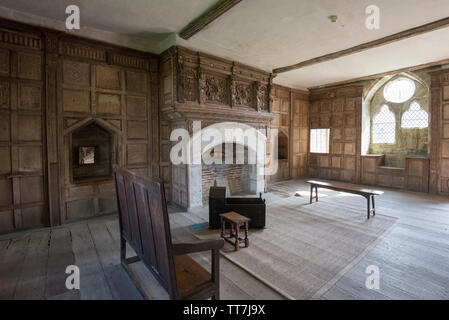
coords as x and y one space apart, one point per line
415 117
384 126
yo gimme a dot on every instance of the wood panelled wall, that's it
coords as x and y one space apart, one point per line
291 108
439 146
340 110
111 89
52 85
23 185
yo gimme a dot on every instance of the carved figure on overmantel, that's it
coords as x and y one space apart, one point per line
261 95
243 95
216 89
179 79
233 92
202 87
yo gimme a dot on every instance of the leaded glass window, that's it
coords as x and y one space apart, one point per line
384 126
415 117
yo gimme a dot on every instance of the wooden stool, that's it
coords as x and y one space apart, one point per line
236 221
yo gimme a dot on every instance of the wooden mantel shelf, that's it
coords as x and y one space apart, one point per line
217 113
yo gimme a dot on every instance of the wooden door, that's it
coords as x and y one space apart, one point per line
23 201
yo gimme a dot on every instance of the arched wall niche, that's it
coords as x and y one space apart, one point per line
393 140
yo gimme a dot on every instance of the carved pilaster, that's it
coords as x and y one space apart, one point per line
233 90
179 78
270 92
261 95
202 87
51 56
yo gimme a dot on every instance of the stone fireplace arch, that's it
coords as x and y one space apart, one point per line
252 139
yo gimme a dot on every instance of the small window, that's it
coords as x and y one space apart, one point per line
415 117
319 140
384 126
399 90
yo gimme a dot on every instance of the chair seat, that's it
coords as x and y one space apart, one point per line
190 276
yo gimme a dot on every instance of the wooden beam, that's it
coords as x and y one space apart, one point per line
380 75
443 23
207 17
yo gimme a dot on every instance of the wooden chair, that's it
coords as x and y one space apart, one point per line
144 225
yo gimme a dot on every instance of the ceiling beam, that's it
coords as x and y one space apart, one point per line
443 23
382 74
207 17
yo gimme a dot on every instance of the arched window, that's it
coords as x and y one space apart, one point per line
415 117
384 126
399 90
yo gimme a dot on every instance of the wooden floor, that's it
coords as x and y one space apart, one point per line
413 258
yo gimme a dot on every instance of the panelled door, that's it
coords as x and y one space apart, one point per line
23 199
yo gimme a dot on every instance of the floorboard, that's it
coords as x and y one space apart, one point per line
93 285
31 285
412 258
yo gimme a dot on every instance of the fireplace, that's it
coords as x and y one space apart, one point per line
235 177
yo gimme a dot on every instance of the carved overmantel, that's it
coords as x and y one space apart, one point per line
198 86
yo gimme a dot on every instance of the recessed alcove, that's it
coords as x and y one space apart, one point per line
91 153
282 146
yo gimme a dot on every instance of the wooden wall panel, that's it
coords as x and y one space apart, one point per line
115 94
439 152
23 179
338 110
52 84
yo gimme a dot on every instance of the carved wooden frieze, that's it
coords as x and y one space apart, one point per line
128 61
188 85
216 89
243 94
20 39
202 82
79 50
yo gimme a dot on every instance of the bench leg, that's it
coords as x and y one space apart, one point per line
246 235
311 193
316 194
223 227
122 250
374 207
369 205
237 241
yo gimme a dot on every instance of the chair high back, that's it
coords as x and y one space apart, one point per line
144 224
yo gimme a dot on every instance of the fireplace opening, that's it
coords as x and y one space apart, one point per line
235 177
91 154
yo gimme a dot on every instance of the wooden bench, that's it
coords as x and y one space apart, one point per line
144 225
367 193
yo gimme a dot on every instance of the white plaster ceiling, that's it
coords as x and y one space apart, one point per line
263 33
